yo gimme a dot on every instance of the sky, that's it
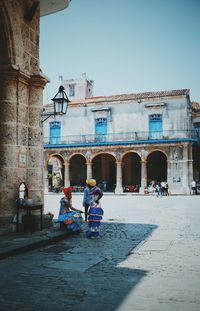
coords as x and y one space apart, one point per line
128 46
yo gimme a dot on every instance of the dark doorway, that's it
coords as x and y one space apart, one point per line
131 170
156 167
77 170
104 171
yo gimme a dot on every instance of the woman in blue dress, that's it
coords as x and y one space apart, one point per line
95 213
68 215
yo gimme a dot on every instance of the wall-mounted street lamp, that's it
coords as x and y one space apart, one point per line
60 104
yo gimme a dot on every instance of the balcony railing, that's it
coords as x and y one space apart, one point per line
124 137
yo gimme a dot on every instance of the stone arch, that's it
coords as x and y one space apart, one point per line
104 170
77 170
74 154
7 45
156 166
131 171
55 169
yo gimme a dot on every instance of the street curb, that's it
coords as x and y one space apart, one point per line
34 245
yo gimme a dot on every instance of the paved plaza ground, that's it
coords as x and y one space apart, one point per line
148 258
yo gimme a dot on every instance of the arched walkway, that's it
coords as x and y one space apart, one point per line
77 170
156 167
104 171
131 171
55 173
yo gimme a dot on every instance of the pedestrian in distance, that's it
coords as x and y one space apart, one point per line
193 186
158 190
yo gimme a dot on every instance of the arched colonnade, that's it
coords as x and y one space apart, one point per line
112 170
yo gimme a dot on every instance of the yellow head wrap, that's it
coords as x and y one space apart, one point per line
91 182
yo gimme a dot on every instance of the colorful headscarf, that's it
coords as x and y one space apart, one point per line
91 182
67 190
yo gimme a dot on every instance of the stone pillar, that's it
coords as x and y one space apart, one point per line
89 169
119 188
66 177
190 165
185 171
21 88
35 139
143 176
170 174
13 148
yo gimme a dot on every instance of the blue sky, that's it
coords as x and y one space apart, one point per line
128 46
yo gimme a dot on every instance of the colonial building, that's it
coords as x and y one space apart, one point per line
128 139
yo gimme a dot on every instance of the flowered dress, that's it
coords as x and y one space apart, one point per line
72 219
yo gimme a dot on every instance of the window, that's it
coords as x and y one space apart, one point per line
155 126
71 90
100 128
55 132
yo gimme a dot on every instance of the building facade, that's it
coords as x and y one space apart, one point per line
129 139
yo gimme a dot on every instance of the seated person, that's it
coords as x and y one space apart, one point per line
69 215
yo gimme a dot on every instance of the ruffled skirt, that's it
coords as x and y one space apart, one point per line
72 220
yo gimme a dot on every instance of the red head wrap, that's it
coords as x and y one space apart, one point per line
67 190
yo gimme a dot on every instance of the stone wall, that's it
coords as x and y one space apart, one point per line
21 89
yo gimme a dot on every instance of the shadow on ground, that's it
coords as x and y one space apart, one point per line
76 274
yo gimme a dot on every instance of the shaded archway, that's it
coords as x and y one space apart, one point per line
104 171
131 171
77 170
156 167
55 173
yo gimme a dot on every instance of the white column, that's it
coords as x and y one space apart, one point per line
46 181
170 174
190 165
119 188
89 169
67 180
143 176
185 174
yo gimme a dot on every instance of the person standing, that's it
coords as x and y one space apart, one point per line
193 186
159 190
95 213
87 196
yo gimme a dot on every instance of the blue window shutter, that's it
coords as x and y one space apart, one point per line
155 126
101 126
55 132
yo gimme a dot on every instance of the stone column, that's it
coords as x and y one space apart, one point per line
13 153
143 176
185 172
119 188
190 165
170 174
89 169
66 177
35 139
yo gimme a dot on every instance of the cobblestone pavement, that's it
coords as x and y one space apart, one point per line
148 258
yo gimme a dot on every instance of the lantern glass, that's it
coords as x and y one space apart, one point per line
58 106
60 101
